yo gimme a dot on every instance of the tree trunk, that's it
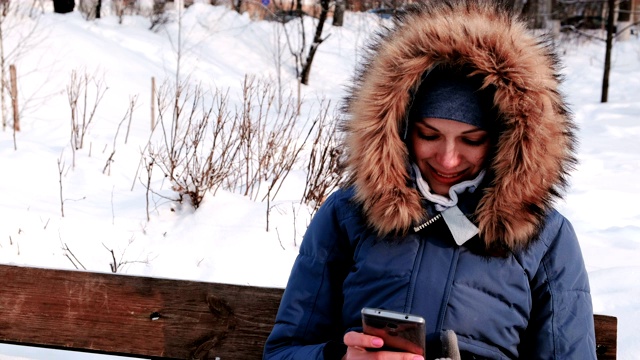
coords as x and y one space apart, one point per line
237 5
607 57
63 6
338 13
14 97
98 8
317 40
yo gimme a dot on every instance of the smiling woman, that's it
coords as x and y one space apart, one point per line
457 144
449 129
447 152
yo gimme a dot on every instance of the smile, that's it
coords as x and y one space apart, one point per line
447 178
448 175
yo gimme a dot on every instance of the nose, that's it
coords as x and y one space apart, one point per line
449 156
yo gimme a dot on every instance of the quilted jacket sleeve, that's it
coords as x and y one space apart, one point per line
309 321
561 324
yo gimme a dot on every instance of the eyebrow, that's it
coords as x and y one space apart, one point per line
464 132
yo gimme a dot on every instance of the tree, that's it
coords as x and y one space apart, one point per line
317 40
607 58
63 6
98 9
237 6
338 12
299 48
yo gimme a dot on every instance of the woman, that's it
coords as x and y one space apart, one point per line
458 142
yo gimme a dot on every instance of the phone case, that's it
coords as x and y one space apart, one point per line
400 331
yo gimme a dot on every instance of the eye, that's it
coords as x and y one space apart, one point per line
427 136
475 142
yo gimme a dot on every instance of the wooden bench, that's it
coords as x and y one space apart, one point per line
151 317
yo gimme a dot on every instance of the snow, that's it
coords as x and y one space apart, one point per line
225 239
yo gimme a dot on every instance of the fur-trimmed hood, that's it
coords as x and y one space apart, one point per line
534 150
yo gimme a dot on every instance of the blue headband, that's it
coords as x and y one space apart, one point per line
454 96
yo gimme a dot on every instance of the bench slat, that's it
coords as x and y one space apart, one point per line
112 314
152 317
606 336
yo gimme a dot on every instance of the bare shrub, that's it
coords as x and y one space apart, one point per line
200 145
206 147
269 141
78 91
69 255
128 115
88 8
60 172
157 15
37 8
123 7
18 21
117 265
324 170
83 109
149 168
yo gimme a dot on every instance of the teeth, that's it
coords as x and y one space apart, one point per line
447 176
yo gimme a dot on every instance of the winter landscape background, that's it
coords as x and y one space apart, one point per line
90 208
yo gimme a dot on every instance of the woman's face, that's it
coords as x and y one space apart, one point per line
447 151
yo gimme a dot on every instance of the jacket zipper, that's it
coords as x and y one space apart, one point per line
427 223
445 300
417 262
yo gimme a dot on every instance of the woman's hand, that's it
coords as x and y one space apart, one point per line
358 343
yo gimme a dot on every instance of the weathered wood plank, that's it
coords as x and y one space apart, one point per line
152 317
606 336
132 315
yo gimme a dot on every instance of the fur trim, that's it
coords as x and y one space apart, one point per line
533 153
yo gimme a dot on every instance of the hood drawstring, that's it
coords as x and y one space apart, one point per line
462 229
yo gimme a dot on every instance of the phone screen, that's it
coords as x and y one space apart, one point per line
400 331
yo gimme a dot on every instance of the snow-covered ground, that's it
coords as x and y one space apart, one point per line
225 239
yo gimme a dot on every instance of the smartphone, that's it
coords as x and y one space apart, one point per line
400 331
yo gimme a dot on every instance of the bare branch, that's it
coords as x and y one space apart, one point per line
60 171
69 254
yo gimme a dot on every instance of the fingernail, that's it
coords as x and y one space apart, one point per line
377 342
418 357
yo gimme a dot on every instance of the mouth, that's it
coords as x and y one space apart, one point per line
454 175
447 177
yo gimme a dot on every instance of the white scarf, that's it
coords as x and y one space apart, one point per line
461 228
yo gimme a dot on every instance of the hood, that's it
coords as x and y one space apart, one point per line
534 150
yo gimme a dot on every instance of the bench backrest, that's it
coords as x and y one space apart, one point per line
152 317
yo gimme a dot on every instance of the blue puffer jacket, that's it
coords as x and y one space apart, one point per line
519 288
531 305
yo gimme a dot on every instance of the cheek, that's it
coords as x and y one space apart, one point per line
478 156
420 149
